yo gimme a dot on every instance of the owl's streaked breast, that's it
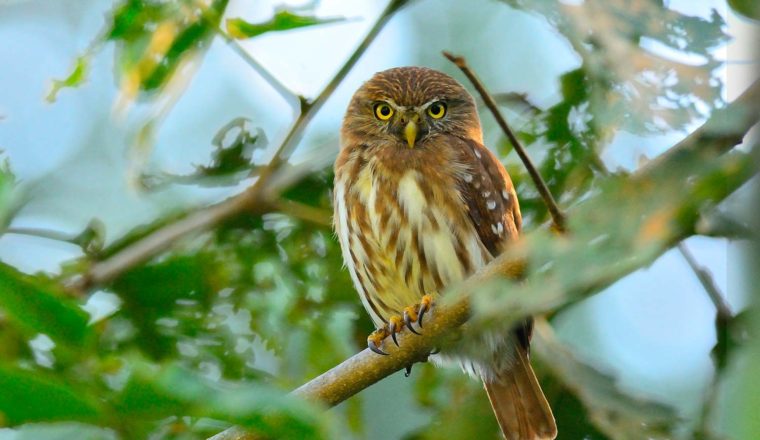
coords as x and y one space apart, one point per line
401 236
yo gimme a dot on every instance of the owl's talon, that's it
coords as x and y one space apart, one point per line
434 351
425 305
409 319
395 325
375 340
408 370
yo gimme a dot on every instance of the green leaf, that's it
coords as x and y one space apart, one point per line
157 392
30 397
77 76
282 21
747 8
38 307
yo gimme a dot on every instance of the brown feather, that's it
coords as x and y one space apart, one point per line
519 404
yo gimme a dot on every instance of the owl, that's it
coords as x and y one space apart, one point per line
420 204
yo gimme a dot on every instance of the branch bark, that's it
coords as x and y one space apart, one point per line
666 222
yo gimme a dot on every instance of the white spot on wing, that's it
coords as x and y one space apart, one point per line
468 178
477 154
505 194
491 204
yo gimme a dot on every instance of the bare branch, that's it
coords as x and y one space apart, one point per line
366 368
557 216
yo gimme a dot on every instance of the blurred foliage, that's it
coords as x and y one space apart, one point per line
282 20
155 37
230 161
218 329
607 408
747 8
627 80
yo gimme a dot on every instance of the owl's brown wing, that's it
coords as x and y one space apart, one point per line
491 201
493 208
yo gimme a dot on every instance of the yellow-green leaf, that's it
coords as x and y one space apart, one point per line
75 78
282 21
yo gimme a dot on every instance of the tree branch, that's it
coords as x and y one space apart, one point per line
257 199
664 219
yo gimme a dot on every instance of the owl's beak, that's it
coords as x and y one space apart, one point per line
410 131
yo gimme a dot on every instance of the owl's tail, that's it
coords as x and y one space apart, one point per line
519 404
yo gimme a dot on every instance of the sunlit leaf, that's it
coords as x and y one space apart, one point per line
282 21
29 396
37 307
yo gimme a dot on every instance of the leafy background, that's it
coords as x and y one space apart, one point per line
119 118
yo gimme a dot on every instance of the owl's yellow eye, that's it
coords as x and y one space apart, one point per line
383 111
437 110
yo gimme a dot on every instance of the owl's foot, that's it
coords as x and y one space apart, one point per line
375 340
397 323
416 312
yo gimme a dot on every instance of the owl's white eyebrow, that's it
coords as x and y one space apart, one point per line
429 103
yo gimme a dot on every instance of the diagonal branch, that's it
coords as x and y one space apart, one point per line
257 199
663 220
557 216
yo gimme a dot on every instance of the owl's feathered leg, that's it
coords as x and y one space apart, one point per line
397 323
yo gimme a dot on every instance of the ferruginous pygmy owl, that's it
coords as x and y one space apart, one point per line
420 204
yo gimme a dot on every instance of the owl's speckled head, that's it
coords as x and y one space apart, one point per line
409 106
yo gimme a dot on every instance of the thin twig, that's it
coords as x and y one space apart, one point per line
722 308
723 317
557 216
43 233
279 87
256 199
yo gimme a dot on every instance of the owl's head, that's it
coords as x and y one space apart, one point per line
409 106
